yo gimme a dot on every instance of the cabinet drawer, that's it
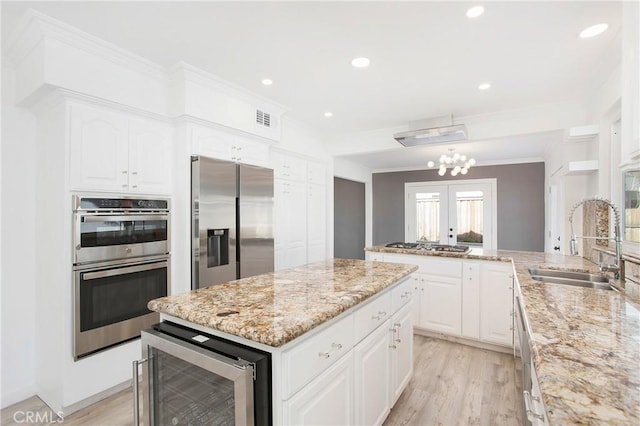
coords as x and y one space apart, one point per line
432 265
371 315
310 358
375 256
401 294
632 271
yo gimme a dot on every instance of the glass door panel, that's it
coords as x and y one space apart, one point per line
469 217
426 214
428 217
185 394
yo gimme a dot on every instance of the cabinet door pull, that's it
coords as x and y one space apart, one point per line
379 316
528 405
324 354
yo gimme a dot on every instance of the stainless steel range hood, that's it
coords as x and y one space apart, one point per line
432 135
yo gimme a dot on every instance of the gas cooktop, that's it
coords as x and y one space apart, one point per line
430 247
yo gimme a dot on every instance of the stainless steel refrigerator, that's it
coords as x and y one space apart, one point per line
232 221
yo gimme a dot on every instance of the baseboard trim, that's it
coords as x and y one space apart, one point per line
84 403
464 341
15 396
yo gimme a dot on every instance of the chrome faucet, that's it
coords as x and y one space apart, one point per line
573 247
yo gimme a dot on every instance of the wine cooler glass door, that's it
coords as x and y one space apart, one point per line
188 385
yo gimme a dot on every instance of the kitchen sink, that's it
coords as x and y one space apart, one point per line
579 279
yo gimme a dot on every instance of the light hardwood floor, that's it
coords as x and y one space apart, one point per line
452 384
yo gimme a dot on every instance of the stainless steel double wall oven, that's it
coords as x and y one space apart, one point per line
120 262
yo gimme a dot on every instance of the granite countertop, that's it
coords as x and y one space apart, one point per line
277 307
585 342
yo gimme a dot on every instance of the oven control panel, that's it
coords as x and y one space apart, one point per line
85 203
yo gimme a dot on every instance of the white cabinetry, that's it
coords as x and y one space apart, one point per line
353 371
535 411
114 152
300 206
215 143
372 392
441 295
316 222
401 350
440 308
328 400
472 299
496 303
290 245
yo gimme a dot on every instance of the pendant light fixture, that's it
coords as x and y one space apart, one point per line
458 163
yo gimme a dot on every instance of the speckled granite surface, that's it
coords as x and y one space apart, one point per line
585 342
275 308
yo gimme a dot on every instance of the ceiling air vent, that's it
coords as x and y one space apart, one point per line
432 135
263 118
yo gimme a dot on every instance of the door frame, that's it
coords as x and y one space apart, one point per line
437 186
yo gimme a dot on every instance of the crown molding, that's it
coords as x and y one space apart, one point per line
190 119
183 71
59 95
36 26
479 164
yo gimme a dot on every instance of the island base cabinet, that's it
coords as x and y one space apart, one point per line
372 378
328 400
401 351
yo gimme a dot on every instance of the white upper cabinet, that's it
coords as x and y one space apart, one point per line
113 152
288 167
222 145
149 156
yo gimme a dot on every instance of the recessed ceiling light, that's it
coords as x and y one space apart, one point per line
484 86
267 81
360 62
593 30
475 11
328 114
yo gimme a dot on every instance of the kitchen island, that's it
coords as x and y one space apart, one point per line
320 322
585 343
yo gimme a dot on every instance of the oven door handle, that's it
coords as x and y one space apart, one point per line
123 218
120 271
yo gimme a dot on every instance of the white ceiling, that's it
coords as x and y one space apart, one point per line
427 58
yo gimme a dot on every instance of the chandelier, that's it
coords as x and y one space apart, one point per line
458 163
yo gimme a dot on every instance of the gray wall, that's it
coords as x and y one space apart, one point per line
520 201
349 219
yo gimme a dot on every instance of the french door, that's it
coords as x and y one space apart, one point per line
451 212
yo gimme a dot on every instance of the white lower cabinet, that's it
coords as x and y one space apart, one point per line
469 298
401 351
535 411
353 371
441 304
496 303
372 377
328 400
